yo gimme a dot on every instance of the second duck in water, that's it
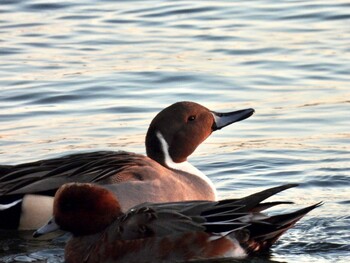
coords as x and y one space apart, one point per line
164 175
166 232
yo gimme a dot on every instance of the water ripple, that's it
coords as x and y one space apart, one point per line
47 6
83 75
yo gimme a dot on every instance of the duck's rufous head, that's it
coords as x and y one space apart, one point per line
183 126
82 209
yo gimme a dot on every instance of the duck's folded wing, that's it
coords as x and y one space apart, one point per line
47 175
151 221
240 219
163 219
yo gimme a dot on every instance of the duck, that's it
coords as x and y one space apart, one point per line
162 175
165 232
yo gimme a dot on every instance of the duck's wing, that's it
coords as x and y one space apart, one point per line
163 219
46 176
238 218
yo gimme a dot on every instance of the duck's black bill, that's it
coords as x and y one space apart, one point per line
224 119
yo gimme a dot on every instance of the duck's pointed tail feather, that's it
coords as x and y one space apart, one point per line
262 235
254 200
249 203
293 217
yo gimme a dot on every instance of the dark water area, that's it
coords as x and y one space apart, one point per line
89 75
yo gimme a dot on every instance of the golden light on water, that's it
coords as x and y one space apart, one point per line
80 76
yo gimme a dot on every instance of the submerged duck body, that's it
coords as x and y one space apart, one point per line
164 175
165 232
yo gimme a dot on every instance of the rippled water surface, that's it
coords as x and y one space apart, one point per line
82 75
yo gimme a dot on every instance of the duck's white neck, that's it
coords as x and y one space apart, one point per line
184 166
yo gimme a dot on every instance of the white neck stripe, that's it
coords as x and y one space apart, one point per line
184 166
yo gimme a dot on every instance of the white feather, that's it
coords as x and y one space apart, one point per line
184 166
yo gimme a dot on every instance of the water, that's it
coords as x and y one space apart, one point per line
82 75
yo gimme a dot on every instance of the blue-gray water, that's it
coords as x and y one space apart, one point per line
90 74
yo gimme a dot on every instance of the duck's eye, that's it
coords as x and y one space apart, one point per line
191 118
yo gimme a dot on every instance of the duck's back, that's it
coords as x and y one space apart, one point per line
134 178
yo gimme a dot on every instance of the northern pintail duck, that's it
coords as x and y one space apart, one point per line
165 232
164 175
